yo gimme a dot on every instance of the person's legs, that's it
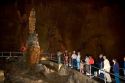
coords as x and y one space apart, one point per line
67 63
81 70
78 65
117 78
90 70
70 62
74 63
87 69
108 77
124 72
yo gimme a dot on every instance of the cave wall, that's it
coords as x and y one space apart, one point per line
14 24
89 27
92 27
9 26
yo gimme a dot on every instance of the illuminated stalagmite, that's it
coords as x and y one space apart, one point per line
33 44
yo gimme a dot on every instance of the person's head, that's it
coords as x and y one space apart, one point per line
114 60
101 55
78 53
66 51
74 52
104 57
124 58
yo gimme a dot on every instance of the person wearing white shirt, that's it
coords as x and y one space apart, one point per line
74 62
78 60
106 69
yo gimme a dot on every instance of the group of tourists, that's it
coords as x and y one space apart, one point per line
75 61
105 68
72 60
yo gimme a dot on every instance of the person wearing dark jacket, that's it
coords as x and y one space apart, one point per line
116 70
100 61
100 65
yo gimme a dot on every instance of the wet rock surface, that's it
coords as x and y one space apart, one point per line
44 72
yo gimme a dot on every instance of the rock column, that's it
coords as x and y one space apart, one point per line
33 43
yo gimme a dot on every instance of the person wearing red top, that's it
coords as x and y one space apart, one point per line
91 62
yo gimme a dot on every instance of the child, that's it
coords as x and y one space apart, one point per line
81 67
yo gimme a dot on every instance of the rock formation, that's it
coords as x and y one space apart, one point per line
33 51
44 72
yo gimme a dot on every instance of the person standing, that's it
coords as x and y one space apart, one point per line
78 61
81 67
87 68
91 63
70 59
116 70
74 62
66 57
100 61
100 65
59 56
106 69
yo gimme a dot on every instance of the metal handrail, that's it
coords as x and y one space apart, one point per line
119 67
122 78
109 73
10 54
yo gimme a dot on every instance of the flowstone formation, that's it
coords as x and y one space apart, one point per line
33 43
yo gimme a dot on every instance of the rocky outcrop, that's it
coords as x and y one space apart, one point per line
44 72
2 76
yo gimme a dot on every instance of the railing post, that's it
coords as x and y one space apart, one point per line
23 54
10 54
51 56
2 54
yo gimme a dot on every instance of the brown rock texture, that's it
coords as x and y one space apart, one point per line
92 27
